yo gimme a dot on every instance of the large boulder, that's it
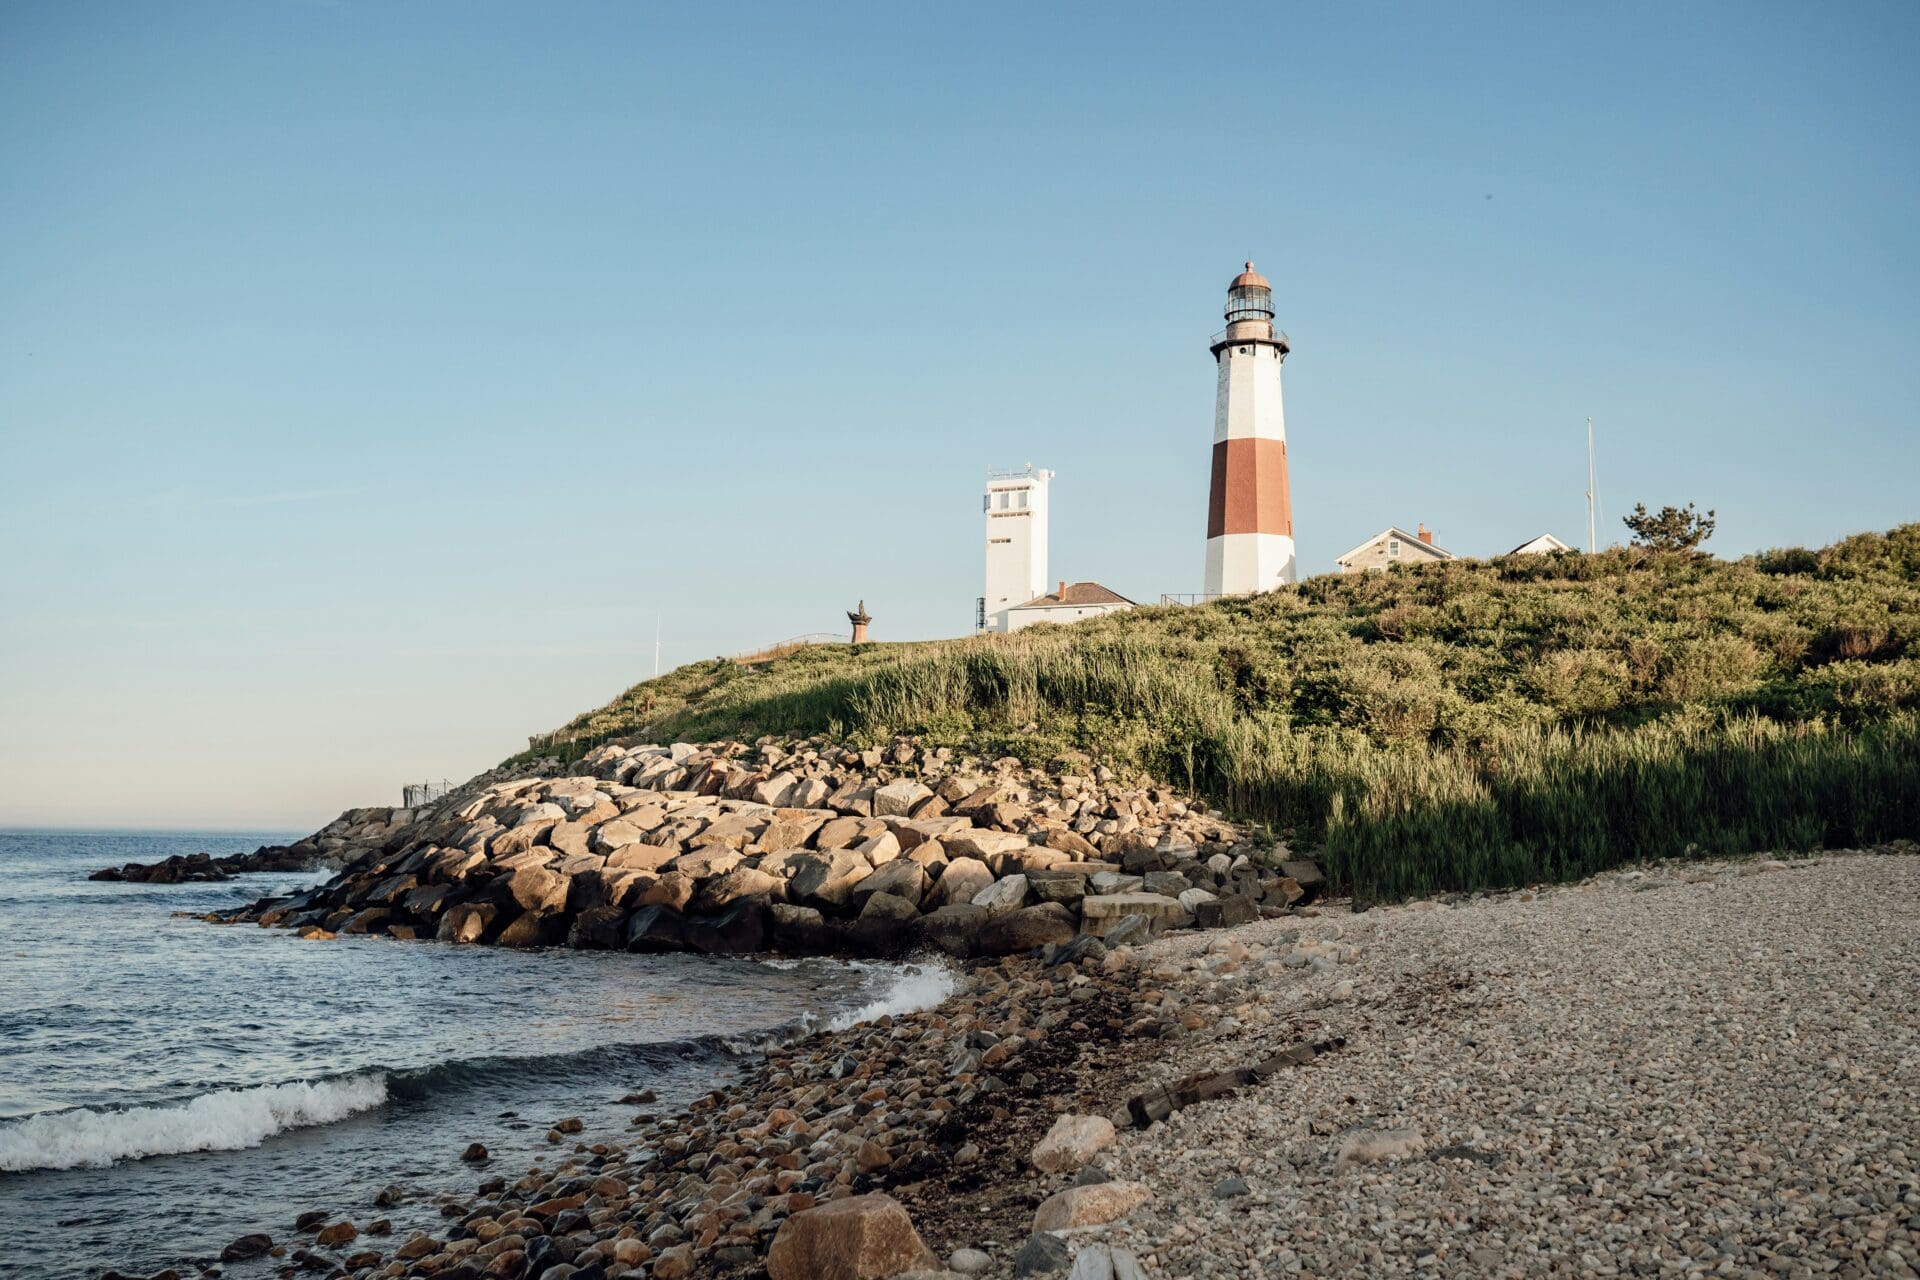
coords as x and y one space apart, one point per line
959 881
955 928
1099 913
671 890
707 860
1071 1143
899 798
983 844
534 929
1025 929
467 922
605 887
598 929
740 929
1089 1206
1006 894
642 857
656 929
741 882
900 878
536 888
866 1237
826 880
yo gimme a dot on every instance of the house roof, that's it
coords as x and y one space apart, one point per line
1551 544
1393 531
1075 593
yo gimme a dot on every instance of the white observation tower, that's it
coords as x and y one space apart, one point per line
1249 513
1016 519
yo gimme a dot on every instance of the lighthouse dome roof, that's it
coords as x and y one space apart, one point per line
1249 279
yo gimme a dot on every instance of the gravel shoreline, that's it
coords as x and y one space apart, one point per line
1685 1070
1696 1069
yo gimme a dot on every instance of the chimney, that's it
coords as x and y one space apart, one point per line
1426 535
1063 591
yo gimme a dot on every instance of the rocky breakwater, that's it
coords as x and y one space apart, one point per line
352 832
802 847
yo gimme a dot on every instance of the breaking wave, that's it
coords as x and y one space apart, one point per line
227 1120
914 987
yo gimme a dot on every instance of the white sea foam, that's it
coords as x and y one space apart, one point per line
913 987
226 1120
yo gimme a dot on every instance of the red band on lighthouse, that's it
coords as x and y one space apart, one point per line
1249 488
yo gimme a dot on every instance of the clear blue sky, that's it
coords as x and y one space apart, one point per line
371 374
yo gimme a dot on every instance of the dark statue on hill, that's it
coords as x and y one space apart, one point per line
1670 529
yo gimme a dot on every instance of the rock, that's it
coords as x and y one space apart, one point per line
247 1247
968 1262
1303 872
1194 899
1009 893
984 844
884 906
669 889
467 922
740 929
1231 1188
598 929
857 1238
653 929
1372 1146
538 889
1127 1267
959 881
1095 1262
642 857
674 1264
826 880
902 879
1071 1142
338 1233
535 929
1025 929
1089 1206
1099 912
474 1153
735 885
899 798
1225 913
955 929
1042 1255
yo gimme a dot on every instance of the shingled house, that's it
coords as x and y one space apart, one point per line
1393 546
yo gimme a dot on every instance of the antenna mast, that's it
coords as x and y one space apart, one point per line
656 646
1592 537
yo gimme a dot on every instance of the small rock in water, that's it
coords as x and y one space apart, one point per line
472 1155
309 1220
246 1247
338 1233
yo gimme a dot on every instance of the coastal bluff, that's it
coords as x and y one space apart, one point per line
801 847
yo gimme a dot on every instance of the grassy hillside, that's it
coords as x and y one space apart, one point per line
1461 725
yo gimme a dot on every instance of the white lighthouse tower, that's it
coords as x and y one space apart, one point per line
1249 513
1016 511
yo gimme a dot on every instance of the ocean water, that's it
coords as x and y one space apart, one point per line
168 1085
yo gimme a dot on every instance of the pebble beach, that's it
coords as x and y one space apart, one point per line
1688 1070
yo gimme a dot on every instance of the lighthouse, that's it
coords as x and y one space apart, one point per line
1249 515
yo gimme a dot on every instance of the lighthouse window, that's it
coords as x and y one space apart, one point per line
1020 499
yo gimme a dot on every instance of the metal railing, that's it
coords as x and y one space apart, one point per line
1187 598
415 795
1279 336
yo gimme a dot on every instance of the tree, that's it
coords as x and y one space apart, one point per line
1670 529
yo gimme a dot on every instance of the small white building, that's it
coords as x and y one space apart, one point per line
1016 523
1070 602
1392 546
1540 546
